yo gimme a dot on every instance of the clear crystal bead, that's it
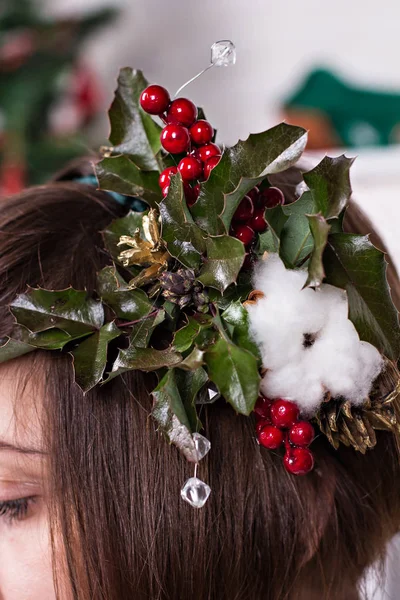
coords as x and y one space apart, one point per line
202 445
195 492
223 53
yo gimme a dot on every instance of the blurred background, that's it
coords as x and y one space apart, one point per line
333 71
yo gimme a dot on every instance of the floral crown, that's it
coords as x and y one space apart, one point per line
224 288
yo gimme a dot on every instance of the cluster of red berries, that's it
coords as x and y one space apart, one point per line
183 132
249 218
278 424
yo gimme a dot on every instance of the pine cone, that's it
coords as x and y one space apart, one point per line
355 425
181 288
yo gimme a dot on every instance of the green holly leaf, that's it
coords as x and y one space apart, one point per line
13 348
121 175
90 357
142 331
193 361
125 226
185 337
296 241
133 132
240 169
319 230
70 310
329 185
234 371
237 317
355 265
144 359
51 339
176 418
185 241
189 384
270 241
225 256
126 304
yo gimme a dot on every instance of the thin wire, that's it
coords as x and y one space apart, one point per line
210 66
195 470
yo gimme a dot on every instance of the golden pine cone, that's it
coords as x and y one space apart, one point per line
355 425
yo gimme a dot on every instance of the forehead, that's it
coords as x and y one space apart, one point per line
21 397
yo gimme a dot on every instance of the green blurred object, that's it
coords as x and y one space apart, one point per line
48 98
360 117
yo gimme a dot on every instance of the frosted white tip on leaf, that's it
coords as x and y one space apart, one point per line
307 342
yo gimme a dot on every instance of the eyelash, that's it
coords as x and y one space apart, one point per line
16 510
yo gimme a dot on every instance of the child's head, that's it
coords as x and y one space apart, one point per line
103 485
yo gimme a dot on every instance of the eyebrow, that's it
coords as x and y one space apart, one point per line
21 449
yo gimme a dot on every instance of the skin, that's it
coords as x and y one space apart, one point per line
25 549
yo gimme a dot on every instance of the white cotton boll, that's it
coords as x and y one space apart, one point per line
335 359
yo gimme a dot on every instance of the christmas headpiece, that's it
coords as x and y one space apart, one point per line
225 289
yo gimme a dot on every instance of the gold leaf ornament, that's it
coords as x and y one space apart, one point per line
149 252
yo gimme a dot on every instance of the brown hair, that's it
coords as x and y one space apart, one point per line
263 535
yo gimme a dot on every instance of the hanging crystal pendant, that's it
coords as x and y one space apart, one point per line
202 445
195 492
223 53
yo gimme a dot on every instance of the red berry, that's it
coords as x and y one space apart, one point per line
298 461
190 168
249 261
165 176
164 190
175 139
245 210
244 233
191 193
254 193
270 437
201 132
182 112
207 151
301 434
154 100
271 197
262 407
284 413
258 222
209 165
261 424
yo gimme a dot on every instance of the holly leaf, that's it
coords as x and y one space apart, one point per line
296 241
133 132
51 339
175 418
186 336
185 241
225 256
144 359
329 185
142 331
125 226
270 241
234 371
13 348
121 175
71 310
193 361
240 169
319 230
237 317
355 265
90 357
126 304
189 384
